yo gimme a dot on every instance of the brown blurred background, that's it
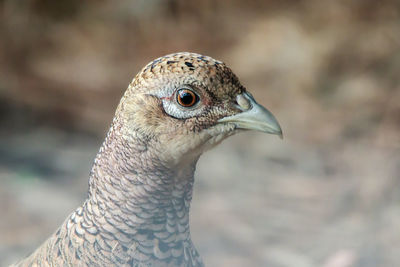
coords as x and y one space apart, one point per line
327 195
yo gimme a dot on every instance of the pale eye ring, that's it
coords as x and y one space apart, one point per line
186 98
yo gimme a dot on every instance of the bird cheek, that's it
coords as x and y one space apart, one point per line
207 101
180 149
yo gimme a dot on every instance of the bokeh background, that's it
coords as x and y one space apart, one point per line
327 195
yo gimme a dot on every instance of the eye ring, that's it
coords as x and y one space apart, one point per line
186 98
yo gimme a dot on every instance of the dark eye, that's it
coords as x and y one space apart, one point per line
186 98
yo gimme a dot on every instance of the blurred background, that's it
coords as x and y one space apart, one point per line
327 195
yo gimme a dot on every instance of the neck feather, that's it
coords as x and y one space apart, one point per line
132 193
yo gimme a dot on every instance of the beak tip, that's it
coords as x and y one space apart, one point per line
277 131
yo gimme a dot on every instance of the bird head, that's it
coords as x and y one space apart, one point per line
183 104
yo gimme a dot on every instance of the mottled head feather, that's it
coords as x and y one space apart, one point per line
190 68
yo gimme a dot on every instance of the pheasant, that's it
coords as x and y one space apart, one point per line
140 185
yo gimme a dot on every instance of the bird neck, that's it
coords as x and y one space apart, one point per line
135 192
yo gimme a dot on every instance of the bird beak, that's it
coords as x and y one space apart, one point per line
253 116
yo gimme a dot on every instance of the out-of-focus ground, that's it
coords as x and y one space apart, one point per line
327 195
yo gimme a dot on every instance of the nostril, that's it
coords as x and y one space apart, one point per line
242 102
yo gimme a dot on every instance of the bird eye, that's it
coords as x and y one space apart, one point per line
186 98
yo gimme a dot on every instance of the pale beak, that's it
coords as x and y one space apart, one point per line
253 116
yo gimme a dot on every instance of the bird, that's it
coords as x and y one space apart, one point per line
140 186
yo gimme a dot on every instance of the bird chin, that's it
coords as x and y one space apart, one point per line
218 133
187 150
